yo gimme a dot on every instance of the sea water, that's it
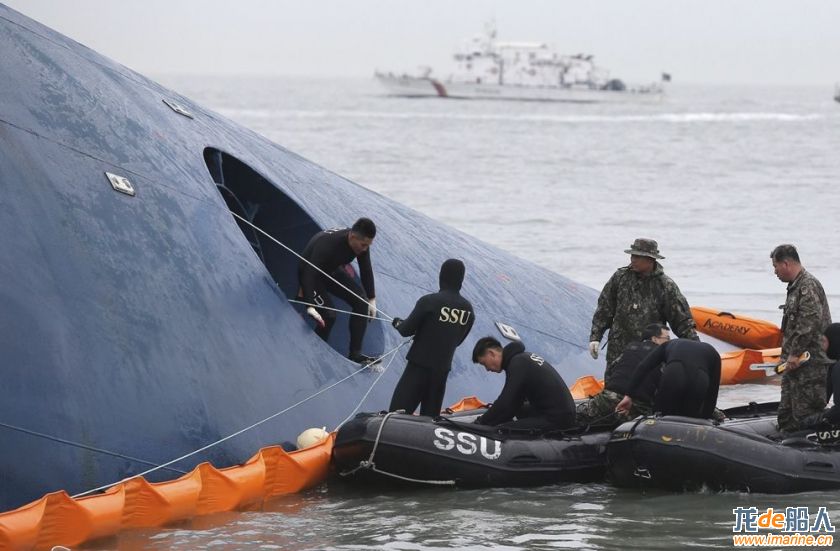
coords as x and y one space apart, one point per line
717 175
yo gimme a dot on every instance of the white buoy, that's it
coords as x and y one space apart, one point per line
310 437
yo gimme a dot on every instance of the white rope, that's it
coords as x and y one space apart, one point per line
338 310
359 405
370 464
389 318
237 433
416 480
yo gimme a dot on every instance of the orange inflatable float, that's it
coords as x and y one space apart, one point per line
58 519
737 330
748 366
586 387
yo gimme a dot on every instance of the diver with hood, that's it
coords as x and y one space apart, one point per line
439 323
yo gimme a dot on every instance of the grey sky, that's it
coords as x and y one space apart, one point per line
709 41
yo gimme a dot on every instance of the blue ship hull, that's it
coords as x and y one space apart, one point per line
138 328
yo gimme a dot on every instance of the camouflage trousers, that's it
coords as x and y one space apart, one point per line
803 394
598 409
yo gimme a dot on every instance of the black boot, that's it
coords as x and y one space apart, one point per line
361 359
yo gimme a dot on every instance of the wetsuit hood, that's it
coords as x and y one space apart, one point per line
832 332
452 275
511 350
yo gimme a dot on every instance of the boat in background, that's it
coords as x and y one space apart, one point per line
837 93
738 330
524 71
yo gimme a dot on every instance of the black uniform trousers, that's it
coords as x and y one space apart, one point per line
681 390
420 386
358 324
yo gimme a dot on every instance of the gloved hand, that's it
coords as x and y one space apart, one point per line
312 312
396 322
593 349
371 309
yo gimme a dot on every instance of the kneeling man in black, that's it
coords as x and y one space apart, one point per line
689 382
527 377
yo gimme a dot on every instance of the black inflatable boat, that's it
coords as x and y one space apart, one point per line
743 453
451 450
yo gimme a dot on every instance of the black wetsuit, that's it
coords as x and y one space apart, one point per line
439 322
330 251
832 333
624 367
529 377
829 418
690 378
832 416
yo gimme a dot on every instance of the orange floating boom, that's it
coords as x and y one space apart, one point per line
58 519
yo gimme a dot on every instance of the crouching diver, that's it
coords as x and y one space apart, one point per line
330 250
829 418
439 322
599 408
689 382
527 377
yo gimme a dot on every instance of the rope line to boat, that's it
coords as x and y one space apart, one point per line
359 405
237 433
85 446
272 238
371 464
337 310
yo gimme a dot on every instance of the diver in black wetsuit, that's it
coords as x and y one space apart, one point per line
830 417
330 250
528 377
439 322
601 407
689 382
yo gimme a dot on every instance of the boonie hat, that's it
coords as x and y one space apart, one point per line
645 247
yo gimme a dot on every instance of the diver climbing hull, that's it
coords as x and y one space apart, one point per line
452 451
741 454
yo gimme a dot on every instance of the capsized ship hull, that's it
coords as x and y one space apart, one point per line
138 328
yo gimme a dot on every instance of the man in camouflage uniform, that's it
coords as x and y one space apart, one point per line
805 318
598 408
635 296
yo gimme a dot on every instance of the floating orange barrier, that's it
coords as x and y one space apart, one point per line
737 330
58 519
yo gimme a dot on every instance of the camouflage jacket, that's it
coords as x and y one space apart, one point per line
629 302
806 315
